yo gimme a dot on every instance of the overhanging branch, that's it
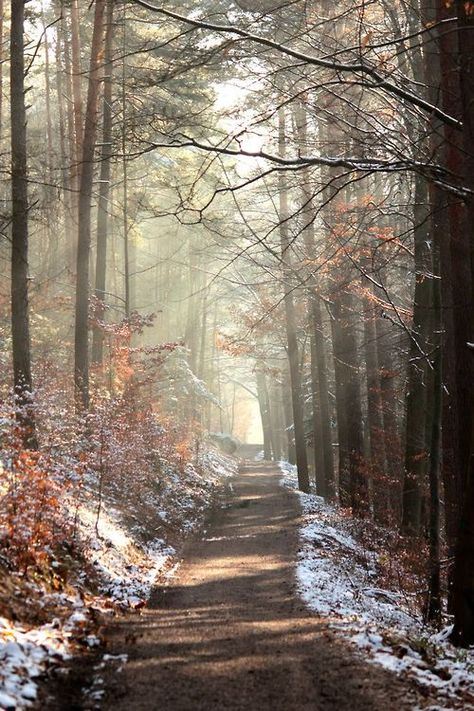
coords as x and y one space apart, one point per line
379 82
432 172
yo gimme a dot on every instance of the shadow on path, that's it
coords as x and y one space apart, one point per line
230 632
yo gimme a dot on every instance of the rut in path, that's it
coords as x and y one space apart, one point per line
231 633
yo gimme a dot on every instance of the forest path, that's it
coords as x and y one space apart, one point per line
230 631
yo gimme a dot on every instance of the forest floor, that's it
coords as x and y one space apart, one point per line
230 631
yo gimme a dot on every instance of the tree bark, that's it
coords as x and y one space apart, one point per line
434 605
264 412
103 216
353 481
128 257
1 68
81 346
76 76
391 429
416 446
290 322
22 379
324 404
323 453
318 445
380 481
73 160
288 417
339 376
277 427
61 94
463 593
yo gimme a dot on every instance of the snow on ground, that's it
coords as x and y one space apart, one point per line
337 578
24 655
126 568
26 652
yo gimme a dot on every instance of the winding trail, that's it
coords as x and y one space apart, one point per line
231 633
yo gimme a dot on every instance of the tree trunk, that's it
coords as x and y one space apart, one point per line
264 412
416 449
73 160
191 335
1 69
391 436
324 404
288 417
318 446
23 385
353 481
76 75
380 482
63 152
127 246
433 611
290 322
201 372
323 454
104 191
463 593
49 128
81 348
276 422
339 375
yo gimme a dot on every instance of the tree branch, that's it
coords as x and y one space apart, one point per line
379 81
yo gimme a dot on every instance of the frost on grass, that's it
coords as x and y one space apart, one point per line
337 578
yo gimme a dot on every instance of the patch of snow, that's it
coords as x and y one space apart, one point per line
229 538
25 654
115 658
126 568
218 464
335 578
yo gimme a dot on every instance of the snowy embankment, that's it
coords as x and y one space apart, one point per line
124 564
27 652
337 578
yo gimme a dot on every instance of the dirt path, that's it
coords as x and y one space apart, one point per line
230 633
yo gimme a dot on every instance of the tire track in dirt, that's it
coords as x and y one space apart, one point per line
230 631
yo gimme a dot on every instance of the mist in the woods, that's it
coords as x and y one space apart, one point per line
236 249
